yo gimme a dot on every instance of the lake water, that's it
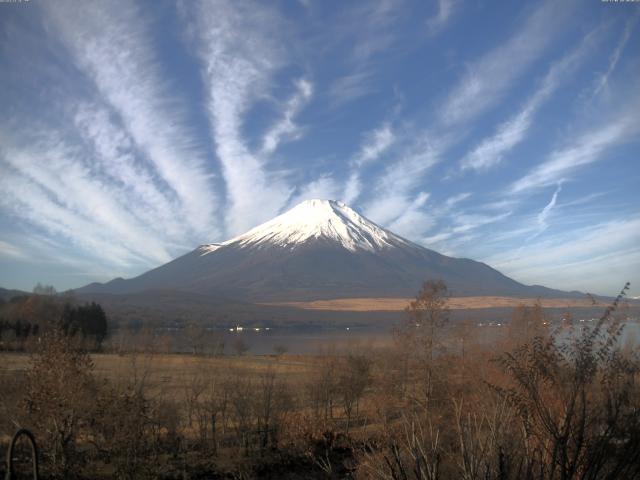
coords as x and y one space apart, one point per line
314 341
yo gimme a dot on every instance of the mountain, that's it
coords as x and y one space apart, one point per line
8 294
320 249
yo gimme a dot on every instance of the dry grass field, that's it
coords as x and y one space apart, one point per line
173 374
455 303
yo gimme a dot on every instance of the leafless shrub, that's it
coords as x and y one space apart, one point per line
414 452
273 404
578 402
59 400
123 433
354 378
483 437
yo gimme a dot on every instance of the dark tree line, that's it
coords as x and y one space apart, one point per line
87 320
20 329
28 316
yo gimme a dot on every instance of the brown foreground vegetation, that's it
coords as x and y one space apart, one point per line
544 402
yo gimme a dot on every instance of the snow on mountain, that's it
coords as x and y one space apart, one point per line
209 248
313 220
320 249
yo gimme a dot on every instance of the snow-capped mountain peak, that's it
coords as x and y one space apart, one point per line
319 249
316 219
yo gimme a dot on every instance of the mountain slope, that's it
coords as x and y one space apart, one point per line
319 249
8 294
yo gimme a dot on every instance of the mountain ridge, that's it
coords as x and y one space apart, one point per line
319 249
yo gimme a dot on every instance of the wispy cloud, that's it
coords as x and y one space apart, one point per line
546 211
414 220
488 78
434 240
48 184
350 87
603 80
324 187
490 152
285 128
112 45
375 144
466 222
9 250
491 76
584 149
598 257
446 9
395 188
456 199
461 229
239 52
373 37
113 158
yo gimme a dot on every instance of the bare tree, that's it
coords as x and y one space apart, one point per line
60 399
354 378
421 333
273 402
195 335
415 453
322 386
41 289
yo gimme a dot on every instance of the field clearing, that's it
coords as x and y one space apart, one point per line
455 303
172 374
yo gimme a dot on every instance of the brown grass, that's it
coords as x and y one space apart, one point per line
455 303
172 373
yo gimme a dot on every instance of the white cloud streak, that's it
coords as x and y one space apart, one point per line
113 158
239 55
616 54
49 185
485 84
466 222
490 77
9 250
112 44
546 211
491 151
376 144
460 230
597 258
446 9
393 191
456 199
286 129
324 188
373 36
414 221
583 150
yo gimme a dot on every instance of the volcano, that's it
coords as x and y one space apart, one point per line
320 249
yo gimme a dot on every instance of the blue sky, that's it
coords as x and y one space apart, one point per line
506 132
